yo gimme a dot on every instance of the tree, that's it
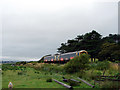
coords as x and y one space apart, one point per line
112 38
91 43
63 48
79 38
109 51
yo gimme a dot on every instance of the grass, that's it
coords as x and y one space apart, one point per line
0 80
36 76
32 79
29 80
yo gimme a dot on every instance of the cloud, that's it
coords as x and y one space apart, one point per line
36 28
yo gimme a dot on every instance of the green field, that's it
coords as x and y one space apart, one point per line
0 80
30 78
35 75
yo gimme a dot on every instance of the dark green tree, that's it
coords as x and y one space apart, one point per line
112 38
91 43
109 51
79 38
63 48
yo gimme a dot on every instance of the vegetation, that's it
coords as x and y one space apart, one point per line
109 51
102 60
79 63
102 48
28 79
40 75
73 83
49 80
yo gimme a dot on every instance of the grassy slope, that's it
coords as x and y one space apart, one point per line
34 80
30 80
38 80
0 80
0 77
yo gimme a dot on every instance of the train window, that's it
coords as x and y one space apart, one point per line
48 58
67 56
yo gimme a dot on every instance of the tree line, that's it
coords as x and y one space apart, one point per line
103 48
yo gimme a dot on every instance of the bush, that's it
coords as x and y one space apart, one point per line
19 63
102 65
110 84
36 72
91 74
79 63
49 80
73 83
20 73
2 73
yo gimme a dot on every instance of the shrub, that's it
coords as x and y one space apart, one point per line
19 63
2 73
79 63
73 83
91 74
20 73
38 77
80 74
93 65
50 73
49 80
113 66
110 84
102 65
36 72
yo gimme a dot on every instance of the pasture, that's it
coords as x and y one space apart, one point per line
31 78
36 75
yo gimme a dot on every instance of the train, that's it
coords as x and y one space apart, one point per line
63 58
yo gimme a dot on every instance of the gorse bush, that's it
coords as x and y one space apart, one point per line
79 63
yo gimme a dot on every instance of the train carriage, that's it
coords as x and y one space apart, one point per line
67 56
63 57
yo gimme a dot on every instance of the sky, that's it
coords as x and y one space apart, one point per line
30 29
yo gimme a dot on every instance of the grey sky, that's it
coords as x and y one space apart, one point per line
34 28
